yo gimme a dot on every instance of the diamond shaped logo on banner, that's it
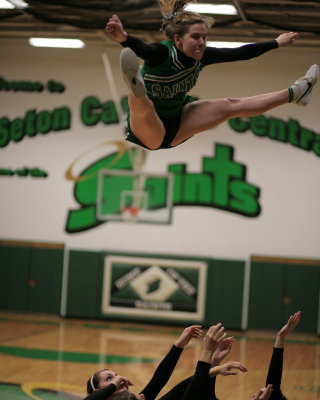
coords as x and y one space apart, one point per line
154 275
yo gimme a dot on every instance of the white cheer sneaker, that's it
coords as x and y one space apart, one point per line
302 87
130 68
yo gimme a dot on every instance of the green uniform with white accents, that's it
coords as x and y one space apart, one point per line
167 84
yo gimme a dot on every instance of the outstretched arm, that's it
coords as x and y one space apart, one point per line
192 332
201 385
293 321
167 365
211 341
223 349
115 29
276 363
215 55
227 369
153 53
287 38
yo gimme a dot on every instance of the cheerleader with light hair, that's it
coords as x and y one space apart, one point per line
161 113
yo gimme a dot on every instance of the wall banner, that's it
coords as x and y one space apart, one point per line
154 287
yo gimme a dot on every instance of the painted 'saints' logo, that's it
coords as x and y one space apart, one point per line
221 184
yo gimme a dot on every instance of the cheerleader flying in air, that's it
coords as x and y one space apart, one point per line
161 114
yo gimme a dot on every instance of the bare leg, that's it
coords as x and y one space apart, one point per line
202 115
144 122
206 114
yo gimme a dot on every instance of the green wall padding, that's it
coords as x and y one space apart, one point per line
46 270
14 274
223 300
225 293
30 278
84 284
277 290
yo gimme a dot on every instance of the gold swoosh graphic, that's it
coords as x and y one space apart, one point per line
120 144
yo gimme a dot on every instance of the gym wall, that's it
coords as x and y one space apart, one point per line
248 187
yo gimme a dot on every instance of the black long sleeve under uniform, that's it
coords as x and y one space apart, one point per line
162 374
275 374
169 75
197 386
156 53
155 385
200 386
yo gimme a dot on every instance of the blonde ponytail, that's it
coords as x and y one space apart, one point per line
173 6
176 20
